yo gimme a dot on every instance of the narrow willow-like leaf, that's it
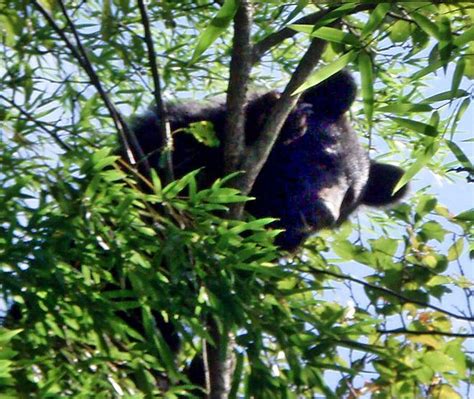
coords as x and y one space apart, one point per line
432 67
464 38
327 71
427 25
376 18
457 75
335 14
421 160
107 22
416 126
336 35
404 108
367 86
446 95
329 34
462 109
400 31
299 7
217 26
460 156
175 187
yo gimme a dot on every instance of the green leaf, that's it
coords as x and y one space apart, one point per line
427 25
432 67
335 14
421 160
367 86
329 34
175 187
455 251
446 95
464 38
216 28
457 75
444 391
460 156
438 361
107 22
156 181
327 71
404 108
433 231
416 126
467 216
49 5
7 335
469 57
400 31
299 7
203 131
376 18
460 112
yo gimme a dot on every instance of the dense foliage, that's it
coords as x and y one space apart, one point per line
380 308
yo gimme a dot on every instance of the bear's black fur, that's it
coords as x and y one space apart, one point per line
317 173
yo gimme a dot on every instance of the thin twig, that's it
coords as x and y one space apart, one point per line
412 332
38 123
165 130
276 38
128 138
392 293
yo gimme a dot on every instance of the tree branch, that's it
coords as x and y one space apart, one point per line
412 332
220 356
128 138
38 123
276 38
257 154
392 293
240 66
165 130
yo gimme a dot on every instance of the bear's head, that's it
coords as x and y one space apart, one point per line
318 173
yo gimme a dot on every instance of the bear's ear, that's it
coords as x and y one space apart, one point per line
332 97
382 180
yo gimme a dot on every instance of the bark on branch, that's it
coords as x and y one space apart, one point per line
276 38
240 65
257 154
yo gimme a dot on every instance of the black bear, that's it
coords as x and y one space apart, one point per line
317 173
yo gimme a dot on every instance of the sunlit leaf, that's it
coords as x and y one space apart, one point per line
367 86
464 38
460 156
455 250
416 126
445 96
400 31
329 34
403 108
376 18
426 24
298 8
422 159
327 71
107 20
216 27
